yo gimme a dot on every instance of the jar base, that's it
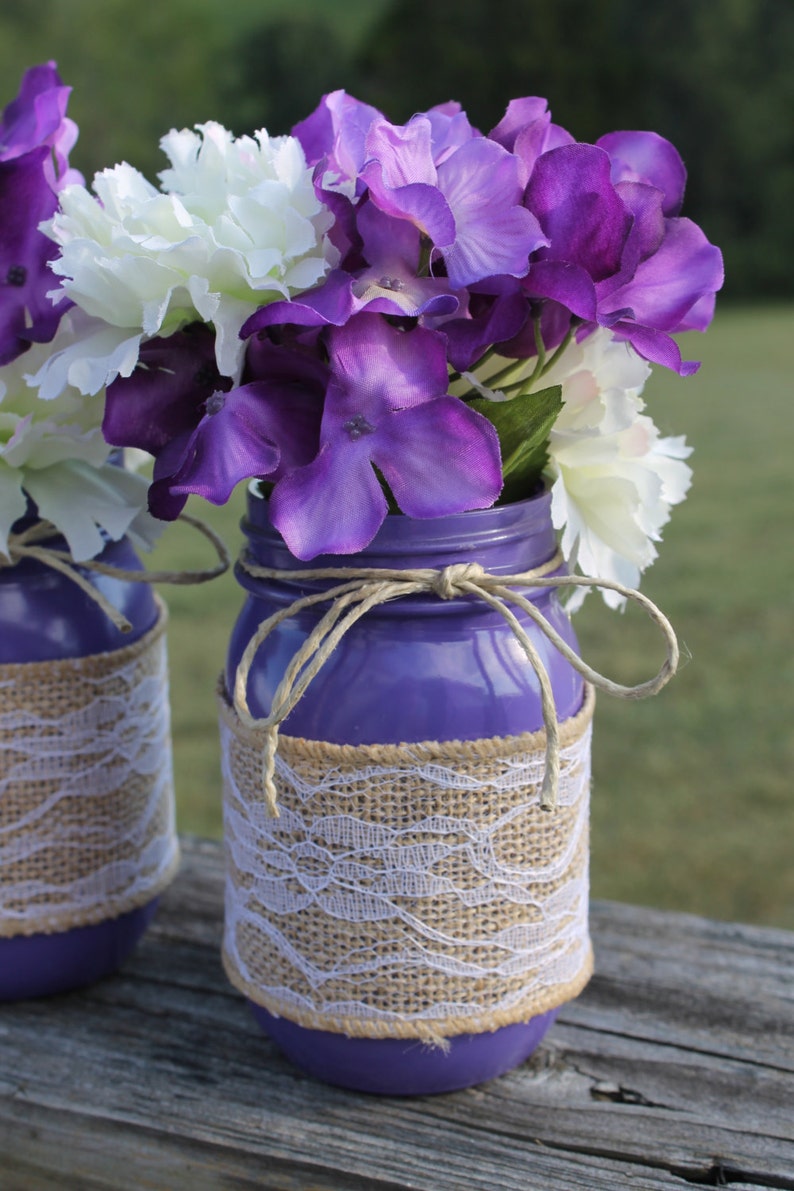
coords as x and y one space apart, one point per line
404 1067
44 964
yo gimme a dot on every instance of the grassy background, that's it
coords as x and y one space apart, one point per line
692 805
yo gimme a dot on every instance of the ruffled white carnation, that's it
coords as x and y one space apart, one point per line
237 225
84 359
53 452
615 478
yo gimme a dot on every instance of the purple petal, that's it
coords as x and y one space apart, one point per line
334 505
493 233
521 115
450 128
404 152
215 458
26 313
413 443
385 240
336 130
666 287
293 369
380 369
450 108
38 117
566 283
390 284
647 230
656 346
423 205
36 113
164 504
699 316
489 319
329 303
257 429
647 157
401 293
579 209
164 396
526 130
402 177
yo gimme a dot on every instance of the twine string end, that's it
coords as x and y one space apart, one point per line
269 772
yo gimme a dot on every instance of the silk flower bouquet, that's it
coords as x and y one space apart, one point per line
87 830
405 336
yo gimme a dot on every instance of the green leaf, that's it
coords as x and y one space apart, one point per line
523 424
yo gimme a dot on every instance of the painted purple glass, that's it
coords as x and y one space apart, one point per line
414 669
400 1067
43 617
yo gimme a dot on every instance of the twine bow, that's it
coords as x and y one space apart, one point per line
366 588
31 543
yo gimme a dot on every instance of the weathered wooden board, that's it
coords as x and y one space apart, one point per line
675 1067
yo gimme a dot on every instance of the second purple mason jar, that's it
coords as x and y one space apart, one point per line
45 617
414 669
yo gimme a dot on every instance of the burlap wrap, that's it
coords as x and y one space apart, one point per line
87 824
414 891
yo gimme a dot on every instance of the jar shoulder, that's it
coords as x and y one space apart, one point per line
45 616
458 675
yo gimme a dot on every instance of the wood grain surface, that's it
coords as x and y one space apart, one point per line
674 1068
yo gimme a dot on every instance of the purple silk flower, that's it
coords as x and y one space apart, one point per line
35 139
38 117
618 256
387 282
464 195
386 407
206 436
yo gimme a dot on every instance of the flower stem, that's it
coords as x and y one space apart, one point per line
555 355
506 374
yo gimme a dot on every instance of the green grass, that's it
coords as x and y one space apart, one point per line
692 792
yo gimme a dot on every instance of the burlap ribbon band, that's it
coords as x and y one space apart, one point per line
87 827
412 891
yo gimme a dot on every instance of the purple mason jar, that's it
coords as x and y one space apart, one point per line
44 616
415 669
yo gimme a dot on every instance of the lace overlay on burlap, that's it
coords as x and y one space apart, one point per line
87 822
416 890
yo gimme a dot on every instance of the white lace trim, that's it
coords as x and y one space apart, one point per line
314 870
87 818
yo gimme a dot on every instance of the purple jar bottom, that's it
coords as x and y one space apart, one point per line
404 1067
43 964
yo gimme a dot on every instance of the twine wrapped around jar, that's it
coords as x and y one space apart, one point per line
415 890
366 588
34 543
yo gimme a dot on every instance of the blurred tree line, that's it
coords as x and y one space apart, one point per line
714 76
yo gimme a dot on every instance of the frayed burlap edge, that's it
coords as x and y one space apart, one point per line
51 924
429 1030
421 752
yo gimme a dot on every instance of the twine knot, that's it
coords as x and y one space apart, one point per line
366 588
451 582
